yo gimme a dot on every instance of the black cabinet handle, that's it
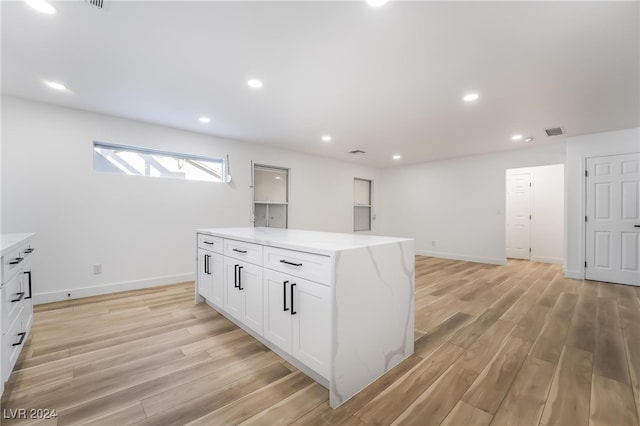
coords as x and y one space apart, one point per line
20 296
235 276
636 226
207 265
284 296
30 293
208 242
240 277
21 339
16 260
29 250
239 251
290 263
293 312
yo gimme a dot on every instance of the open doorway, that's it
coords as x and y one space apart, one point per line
535 213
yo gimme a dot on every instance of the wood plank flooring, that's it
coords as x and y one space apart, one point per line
495 345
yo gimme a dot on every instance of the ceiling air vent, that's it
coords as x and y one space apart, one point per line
96 3
555 131
357 152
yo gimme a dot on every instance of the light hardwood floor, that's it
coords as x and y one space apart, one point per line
501 345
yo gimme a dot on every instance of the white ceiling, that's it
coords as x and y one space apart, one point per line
386 80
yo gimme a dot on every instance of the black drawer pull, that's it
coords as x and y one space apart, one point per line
293 312
21 339
208 242
240 277
636 226
235 276
290 263
239 251
16 261
29 250
30 291
20 296
284 296
207 265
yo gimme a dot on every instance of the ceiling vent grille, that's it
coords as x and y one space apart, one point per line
555 131
357 152
97 3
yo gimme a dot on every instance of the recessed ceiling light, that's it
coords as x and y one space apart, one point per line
396 157
256 84
376 3
470 97
516 137
529 139
326 138
278 177
41 6
54 85
205 120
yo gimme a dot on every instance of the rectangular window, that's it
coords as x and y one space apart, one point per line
134 161
270 196
361 205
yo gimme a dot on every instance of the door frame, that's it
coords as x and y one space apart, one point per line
584 208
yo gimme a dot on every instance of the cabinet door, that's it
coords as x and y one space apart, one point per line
216 270
204 275
277 309
233 297
311 325
250 280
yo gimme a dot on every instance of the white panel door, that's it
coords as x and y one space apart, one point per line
250 284
613 219
216 275
204 276
233 297
310 310
519 216
277 309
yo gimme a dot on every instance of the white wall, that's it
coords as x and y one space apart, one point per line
578 150
547 212
455 208
142 230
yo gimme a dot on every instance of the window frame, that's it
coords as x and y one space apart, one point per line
369 206
268 203
150 151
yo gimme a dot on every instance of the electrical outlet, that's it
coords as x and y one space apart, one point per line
97 269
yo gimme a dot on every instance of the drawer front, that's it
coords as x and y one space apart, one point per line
12 343
240 250
11 262
12 301
313 267
208 242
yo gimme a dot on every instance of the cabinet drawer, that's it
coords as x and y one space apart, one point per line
208 242
248 252
12 343
12 301
313 267
11 262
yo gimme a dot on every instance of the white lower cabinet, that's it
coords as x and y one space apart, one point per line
297 318
243 293
211 277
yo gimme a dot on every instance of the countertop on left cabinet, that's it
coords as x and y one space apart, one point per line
16 303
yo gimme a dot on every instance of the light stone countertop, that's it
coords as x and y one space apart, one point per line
10 241
327 243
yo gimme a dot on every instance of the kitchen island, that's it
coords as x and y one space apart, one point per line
340 307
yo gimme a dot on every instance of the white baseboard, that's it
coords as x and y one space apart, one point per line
543 259
576 275
75 293
452 256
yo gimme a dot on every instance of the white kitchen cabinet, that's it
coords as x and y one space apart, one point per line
16 303
337 306
243 292
211 277
297 319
